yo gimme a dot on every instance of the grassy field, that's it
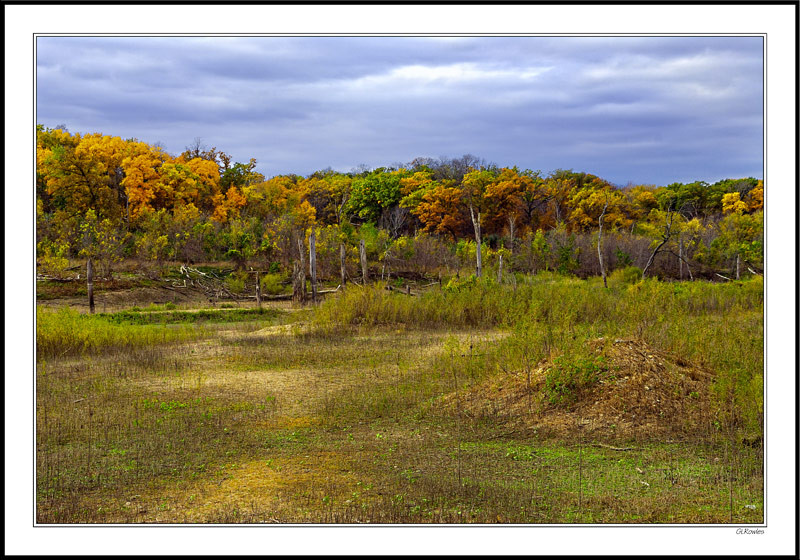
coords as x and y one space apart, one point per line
473 403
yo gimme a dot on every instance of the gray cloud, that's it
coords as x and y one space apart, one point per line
642 109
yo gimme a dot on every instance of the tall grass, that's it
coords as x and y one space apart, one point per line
68 333
347 422
542 297
716 326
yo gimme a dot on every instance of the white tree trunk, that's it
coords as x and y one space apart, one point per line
258 289
500 270
299 274
343 263
362 253
312 263
512 228
90 283
476 224
600 244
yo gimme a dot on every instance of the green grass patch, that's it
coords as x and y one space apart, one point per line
568 379
157 316
67 333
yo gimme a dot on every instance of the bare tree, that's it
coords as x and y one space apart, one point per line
299 273
394 219
362 253
667 232
476 224
600 242
90 283
512 227
196 148
343 263
312 262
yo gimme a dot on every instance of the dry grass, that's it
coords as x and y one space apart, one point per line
263 422
638 392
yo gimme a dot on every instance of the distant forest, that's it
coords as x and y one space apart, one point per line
104 198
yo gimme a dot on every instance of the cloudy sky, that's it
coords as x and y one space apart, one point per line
630 109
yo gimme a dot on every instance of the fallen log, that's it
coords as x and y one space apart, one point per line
284 297
407 291
611 447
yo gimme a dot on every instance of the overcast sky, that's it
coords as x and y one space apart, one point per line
639 109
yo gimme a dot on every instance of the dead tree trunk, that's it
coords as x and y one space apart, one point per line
90 283
299 275
665 236
476 224
737 266
312 263
500 269
362 253
258 289
343 263
512 227
600 243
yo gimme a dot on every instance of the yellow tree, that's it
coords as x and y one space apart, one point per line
590 202
81 172
503 201
533 198
740 233
203 188
640 201
598 204
755 198
732 204
82 177
559 186
669 228
413 188
440 210
228 205
195 182
142 168
329 195
474 188
272 198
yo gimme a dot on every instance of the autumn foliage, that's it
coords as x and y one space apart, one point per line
201 205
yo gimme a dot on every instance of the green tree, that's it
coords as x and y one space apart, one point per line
372 194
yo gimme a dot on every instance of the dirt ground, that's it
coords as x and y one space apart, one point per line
642 393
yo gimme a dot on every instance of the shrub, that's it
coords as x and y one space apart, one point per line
567 257
272 284
623 258
566 381
236 282
627 275
52 258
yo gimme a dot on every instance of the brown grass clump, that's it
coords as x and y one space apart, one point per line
635 391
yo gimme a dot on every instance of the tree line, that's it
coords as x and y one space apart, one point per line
104 198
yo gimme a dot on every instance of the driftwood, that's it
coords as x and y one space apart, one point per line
407 291
286 297
611 447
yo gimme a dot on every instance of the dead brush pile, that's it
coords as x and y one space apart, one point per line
623 389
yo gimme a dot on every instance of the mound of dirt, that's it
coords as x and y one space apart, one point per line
637 391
